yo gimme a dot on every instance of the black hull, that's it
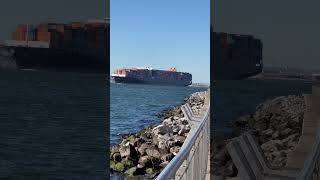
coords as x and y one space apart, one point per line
225 72
130 80
60 60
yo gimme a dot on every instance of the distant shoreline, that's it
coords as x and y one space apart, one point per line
279 77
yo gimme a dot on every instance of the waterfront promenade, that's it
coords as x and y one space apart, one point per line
193 160
302 161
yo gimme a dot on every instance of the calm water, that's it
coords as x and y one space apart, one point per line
52 126
232 99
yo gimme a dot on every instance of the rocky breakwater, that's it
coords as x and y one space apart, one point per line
143 155
277 125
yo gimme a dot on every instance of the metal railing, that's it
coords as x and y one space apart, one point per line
191 161
312 173
311 167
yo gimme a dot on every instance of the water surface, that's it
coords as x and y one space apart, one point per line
232 99
53 125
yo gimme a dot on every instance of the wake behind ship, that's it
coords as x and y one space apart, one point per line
151 76
76 46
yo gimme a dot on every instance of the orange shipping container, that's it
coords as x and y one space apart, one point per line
17 36
76 25
21 36
44 36
61 28
43 29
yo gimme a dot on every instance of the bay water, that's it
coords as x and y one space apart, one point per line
53 125
232 99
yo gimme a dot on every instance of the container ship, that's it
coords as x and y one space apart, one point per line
75 46
235 57
147 75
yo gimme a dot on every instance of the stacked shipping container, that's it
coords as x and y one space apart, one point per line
170 74
78 46
79 35
235 56
20 33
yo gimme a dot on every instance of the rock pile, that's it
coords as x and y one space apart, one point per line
277 124
150 150
221 163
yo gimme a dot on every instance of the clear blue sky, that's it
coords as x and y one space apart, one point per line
161 34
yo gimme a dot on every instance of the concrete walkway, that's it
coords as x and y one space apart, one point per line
311 125
302 161
310 128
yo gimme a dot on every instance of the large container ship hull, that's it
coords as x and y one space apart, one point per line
155 77
75 46
130 80
235 57
234 71
62 60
